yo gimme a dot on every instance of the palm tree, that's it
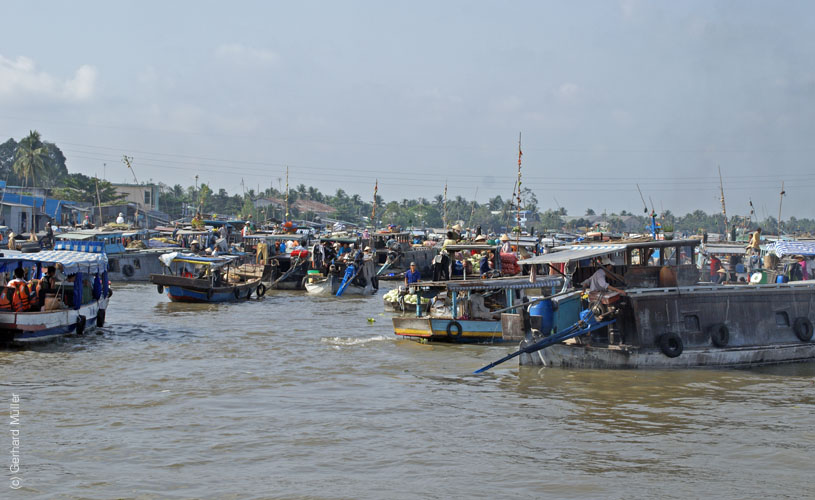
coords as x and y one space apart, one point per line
29 161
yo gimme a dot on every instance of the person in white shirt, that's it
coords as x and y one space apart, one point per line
120 219
597 282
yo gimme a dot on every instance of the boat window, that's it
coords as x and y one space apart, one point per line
636 257
692 323
782 318
113 265
685 255
136 264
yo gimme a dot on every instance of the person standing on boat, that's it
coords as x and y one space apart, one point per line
412 275
715 266
597 282
317 255
506 246
48 240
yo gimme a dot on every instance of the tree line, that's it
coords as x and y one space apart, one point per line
34 162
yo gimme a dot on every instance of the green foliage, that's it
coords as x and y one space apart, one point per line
80 187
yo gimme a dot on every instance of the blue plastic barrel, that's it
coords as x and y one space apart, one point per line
545 310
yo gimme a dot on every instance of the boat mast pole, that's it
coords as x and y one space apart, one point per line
724 210
287 194
780 202
373 210
518 212
444 214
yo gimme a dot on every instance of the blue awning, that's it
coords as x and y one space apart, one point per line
782 248
72 262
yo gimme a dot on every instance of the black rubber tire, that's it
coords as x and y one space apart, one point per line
110 292
457 326
127 270
803 329
670 344
261 290
100 318
80 325
720 335
237 292
30 248
160 289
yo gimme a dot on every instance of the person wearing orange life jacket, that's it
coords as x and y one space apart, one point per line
6 298
22 299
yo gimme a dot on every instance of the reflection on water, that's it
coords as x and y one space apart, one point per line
289 396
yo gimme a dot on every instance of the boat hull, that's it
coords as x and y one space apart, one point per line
620 357
436 330
194 290
34 327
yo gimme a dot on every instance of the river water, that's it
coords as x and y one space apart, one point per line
295 397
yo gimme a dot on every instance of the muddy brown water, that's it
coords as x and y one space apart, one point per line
295 397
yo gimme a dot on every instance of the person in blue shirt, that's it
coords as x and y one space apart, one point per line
412 275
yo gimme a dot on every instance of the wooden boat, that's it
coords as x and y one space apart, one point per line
466 314
394 251
288 269
192 278
666 319
71 310
344 280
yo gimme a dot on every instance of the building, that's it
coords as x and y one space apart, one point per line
144 196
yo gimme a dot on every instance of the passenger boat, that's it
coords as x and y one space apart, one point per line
193 278
468 311
666 318
70 309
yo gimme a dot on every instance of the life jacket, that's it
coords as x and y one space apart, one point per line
21 301
6 297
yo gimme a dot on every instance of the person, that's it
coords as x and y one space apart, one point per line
11 243
262 255
317 255
223 232
755 241
715 266
120 219
412 275
86 223
506 246
365 234
48 240
804 269
485 265
597 282
22 298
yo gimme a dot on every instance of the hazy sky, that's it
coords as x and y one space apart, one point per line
607 94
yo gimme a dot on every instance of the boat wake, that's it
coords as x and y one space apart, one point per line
352 341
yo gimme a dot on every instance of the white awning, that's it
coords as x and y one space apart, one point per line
573 253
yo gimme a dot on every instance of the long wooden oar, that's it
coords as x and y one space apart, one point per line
570 332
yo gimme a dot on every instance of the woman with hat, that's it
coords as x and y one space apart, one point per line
506 247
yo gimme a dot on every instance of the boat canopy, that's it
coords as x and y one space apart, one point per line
72 262
270 236
724 249
511 283
782 248
189 258
572 253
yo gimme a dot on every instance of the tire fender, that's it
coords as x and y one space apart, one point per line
261 290
803 329
80 325
100 318
454 325
670 344
720 335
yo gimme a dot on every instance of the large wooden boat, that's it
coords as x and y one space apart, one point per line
666 319
192 278
78 304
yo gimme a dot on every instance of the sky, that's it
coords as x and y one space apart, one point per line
605 95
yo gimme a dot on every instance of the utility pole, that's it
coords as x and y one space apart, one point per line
724 210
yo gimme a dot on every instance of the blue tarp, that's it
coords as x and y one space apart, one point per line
53 207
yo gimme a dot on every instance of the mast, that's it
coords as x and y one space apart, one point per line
287 194
444 214
518 212
780 202
472 210
373 210
128 160
724 210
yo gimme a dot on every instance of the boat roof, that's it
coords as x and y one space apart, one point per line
471 246
782 248
279 236
720 249
510 283
87 234
339 240
72 262
190 258
572 253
